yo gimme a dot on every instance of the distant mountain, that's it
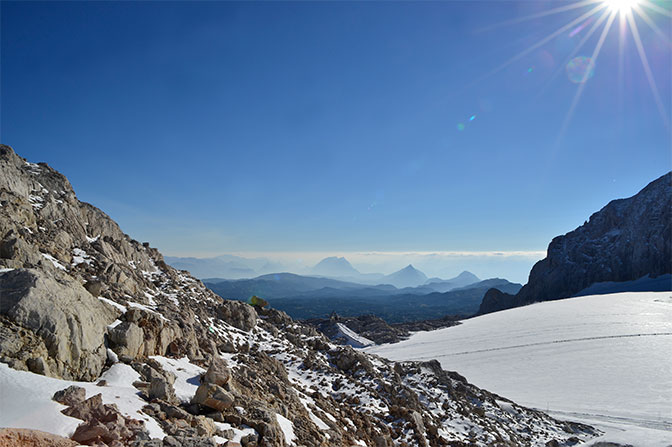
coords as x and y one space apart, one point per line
335 267
409 276
396 307
444 285
626 240
279 285
224 266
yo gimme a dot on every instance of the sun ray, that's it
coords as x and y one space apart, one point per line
644 16
541 42
593 58
576 49
622 30
539 15
647 68
656 8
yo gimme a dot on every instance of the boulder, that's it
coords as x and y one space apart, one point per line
218 373
126 339
64 315
238 314
213 396
160 388
72 395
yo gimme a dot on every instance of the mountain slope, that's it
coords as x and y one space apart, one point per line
444 285
624 241
180 364
335 267
409 276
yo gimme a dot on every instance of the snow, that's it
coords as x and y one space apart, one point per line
91 240
5 270
238 433
148 309
26 400
353 338
54 261
187 376
287 428
603 360
123 309
79 256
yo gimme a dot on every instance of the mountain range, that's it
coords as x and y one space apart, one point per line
306 297
105 344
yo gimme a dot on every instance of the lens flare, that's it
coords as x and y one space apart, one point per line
580 69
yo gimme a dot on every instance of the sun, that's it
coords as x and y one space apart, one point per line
622 6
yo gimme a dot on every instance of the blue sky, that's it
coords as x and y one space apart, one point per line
222 127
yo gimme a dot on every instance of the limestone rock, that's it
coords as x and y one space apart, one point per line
71 396
238 314
21 437
213 396
218 373
70 321
126 339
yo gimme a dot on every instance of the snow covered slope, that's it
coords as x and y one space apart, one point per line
604 359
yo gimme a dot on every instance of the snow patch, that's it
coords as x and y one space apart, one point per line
54 261
287 428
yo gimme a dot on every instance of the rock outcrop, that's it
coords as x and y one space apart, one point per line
78 296
624 241
70 321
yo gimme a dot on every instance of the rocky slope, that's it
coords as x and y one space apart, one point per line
374 328
624 241
176 365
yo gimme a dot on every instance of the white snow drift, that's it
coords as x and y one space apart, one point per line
605 360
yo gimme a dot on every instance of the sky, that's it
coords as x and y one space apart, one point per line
339 127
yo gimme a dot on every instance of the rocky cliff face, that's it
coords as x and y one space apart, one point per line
626 240
79 298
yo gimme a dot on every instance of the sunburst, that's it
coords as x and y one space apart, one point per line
598 20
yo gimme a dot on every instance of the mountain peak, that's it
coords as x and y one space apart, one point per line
467 276
409 276
334 266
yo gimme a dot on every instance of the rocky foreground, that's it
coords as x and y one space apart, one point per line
137 353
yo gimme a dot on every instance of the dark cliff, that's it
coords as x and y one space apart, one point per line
624 241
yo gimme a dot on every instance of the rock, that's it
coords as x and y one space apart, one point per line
238 314
70 321
218 372
71 396
90 432
213 396
39 366
624 241
21 437
204 426
159 388
126 339
95 288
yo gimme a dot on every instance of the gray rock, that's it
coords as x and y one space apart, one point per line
213 396
126 339
71 322
160 388
218 372
72 395
238 314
